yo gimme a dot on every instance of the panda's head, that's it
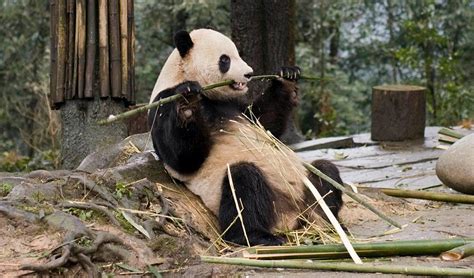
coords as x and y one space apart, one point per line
208 57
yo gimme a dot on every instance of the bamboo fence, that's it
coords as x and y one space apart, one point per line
92 44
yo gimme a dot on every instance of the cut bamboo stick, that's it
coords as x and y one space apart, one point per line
104 49
81 45
91 49
61 42
131 52
124 46
433 196
115 58
71 17
341 266
458 253
53 58
450 133
374 249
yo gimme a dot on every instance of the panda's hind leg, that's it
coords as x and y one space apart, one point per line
254 191
332 196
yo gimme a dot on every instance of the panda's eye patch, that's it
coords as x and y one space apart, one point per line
224 63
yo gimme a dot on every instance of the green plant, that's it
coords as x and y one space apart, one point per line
5 188
122 189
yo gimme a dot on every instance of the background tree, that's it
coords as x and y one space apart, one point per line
264 34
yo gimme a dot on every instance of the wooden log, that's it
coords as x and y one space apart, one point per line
71 17
61 55
81 45
115 58
124 46
398 112
91 49
131 52
104 49
53 58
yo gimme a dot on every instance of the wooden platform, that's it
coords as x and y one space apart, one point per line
361 161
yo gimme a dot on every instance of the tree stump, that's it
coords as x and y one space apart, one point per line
398 112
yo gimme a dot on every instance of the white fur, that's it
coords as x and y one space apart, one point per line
201 64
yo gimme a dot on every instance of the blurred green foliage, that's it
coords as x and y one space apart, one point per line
356 44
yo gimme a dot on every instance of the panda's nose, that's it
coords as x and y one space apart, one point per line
248 75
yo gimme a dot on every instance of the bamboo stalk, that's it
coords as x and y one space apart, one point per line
342 266
351 194
114 118
450 133
374 249
459 252
81 45
433 196
131 52
104 49
91 48
71 13
61 42
237 207
53 58
124 46
115 57
337 226
122 116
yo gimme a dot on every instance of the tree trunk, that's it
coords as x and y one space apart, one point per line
263 31
86 86
398 112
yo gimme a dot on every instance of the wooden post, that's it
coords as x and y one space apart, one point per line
398 112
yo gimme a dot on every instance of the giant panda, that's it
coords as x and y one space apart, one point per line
199 136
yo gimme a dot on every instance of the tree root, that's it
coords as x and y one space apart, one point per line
71 252
92 206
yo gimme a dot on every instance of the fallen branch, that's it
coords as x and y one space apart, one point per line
432 196
458 253
376 249
128 114
342 266
450 133
354 196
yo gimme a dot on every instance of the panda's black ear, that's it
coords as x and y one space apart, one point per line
183 42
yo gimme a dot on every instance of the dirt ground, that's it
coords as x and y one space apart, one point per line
27 243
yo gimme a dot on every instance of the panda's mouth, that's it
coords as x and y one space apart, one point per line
239 86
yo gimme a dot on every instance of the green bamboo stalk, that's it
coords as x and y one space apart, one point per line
122 116
114 118
376 249
351 194
341 266
459 252
433 196
450 133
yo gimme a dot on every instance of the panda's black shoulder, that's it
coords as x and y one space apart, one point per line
216 110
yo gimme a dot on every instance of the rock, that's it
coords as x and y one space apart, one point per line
116 154
455 167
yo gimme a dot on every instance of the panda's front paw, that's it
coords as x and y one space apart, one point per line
289 73
189 89
188 106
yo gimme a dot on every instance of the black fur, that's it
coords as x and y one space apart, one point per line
257 197
224 63
332 196
183 42
180 141
274 106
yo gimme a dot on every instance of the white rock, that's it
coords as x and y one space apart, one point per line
455 167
